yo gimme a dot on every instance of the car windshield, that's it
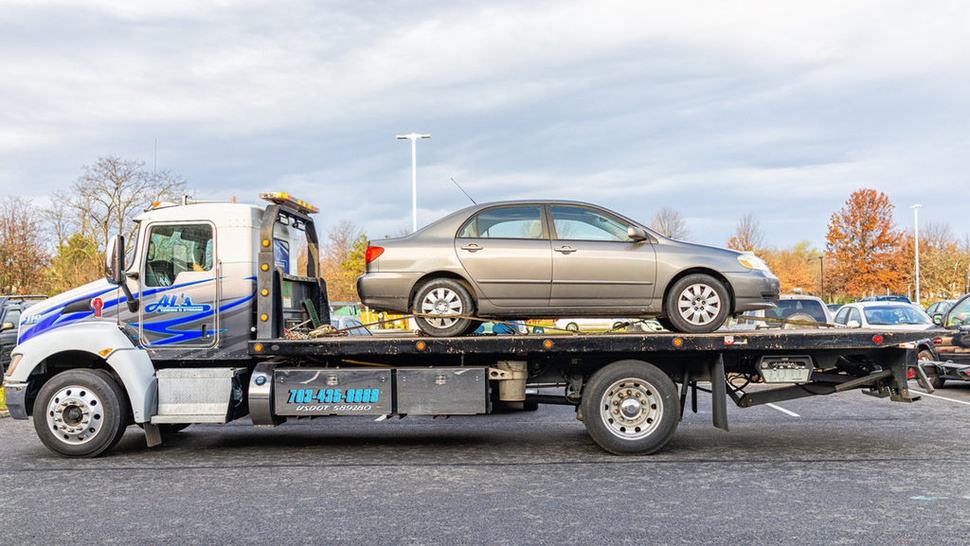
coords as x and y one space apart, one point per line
901 314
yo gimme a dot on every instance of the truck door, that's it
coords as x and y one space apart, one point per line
179 287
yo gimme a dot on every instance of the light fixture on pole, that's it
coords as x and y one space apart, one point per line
413 137
916 243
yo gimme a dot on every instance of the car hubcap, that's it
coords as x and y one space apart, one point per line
631 408
699 304
74 414
441 301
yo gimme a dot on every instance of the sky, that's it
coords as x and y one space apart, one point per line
713 109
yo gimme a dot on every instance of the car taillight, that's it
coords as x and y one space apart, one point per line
937 341
372 253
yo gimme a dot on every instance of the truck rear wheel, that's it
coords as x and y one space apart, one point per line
630 407
81 413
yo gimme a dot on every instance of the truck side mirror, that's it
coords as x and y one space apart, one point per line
114 269
114 261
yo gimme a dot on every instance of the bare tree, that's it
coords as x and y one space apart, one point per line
22 243
107 196
668 222
747 235
342 260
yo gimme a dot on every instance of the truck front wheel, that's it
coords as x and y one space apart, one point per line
630 407
81 413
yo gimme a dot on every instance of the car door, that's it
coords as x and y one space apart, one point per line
179 287
955 342
596 265
506 253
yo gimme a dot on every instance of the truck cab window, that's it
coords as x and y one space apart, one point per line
173 249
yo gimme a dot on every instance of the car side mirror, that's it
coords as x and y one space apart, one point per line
636 233
938 319
7 326
853 324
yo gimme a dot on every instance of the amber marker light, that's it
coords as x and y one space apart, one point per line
265 242
264 317
420 345
547 344
678 342
264 292
105 352
258 347
264 267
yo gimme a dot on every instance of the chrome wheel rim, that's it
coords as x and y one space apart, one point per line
441 301
74 414
632 408
699 304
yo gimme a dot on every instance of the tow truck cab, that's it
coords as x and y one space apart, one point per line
184 296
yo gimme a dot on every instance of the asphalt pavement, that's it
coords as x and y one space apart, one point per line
844 469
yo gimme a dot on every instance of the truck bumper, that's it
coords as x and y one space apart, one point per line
16 394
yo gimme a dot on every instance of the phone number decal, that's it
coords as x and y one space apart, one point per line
334 396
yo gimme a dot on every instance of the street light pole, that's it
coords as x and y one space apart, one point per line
916 243
413 137
821 276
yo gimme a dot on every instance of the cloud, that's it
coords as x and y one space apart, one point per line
711 108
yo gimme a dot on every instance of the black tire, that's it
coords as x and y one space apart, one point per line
665 323
697 304
630 407
81 413
572 327
444 297
932 373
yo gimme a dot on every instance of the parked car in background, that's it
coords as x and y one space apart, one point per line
597 324
888 297
10 309
794 307
834 308
884 314
939 307
556 259
952 345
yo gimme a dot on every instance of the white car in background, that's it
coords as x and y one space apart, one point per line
604 324
802 310
884 315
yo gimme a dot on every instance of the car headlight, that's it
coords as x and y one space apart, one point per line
753 262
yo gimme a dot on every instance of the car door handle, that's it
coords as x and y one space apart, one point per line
565 249
472 247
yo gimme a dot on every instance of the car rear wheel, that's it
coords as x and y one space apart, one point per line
441 308
697 304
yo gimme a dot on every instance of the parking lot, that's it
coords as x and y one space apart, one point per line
842 469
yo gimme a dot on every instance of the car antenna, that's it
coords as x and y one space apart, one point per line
463 191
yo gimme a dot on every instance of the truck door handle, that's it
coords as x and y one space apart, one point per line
565 249
472 247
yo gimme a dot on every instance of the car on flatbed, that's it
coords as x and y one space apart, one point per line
558 259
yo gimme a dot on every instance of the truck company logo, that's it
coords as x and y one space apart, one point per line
176 304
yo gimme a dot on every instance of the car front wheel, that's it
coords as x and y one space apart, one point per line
442 308
697 304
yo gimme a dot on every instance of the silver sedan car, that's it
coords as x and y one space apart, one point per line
552 259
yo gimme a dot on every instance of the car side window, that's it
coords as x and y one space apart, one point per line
855 315
583 224
843 316
519 222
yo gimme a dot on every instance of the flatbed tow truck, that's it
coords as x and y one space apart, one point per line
221 313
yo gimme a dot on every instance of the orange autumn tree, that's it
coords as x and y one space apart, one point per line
865 247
